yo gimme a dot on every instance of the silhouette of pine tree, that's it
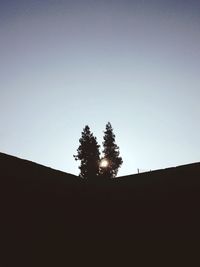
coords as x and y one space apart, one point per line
111 154
88 153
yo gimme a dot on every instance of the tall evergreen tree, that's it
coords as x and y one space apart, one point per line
88 153
111 154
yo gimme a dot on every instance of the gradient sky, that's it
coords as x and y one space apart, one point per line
65 64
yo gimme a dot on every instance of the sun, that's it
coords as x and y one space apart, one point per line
104 163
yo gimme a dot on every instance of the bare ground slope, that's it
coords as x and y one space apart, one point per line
50 218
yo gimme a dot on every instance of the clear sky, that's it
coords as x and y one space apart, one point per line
65 64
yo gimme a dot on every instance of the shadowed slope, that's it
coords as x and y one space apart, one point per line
48 215
165 202
13 167
38 206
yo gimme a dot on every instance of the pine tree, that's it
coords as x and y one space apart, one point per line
111 154
88 153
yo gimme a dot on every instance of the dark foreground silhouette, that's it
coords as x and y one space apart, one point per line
50 218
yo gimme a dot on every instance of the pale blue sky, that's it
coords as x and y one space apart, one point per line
65 64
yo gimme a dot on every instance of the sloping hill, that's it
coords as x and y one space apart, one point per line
16 168
49 217
165 202
163 183
35 201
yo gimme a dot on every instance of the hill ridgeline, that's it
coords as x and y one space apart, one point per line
50 215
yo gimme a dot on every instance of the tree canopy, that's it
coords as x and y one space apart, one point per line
91 165
110 154
89 155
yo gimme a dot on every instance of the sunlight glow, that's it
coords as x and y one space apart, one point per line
104 163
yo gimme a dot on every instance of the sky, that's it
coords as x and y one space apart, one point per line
66 64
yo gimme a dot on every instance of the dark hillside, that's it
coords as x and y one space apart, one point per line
166 199
50 218
35 200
